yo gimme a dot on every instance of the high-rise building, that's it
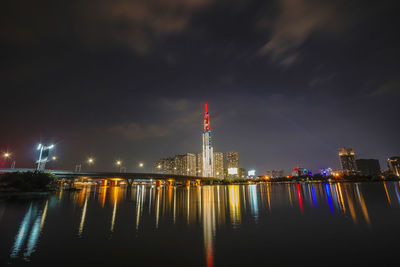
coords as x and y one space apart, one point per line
348 160
200 164
394 165
185 164
242 173
232 164
164 166
232 160
180 165
190 164
208 155
368 166
218 165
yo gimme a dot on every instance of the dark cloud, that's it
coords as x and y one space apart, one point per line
295 22
138 23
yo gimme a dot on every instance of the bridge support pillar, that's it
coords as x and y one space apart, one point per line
188 183
104 182
170 182
158 182
129 183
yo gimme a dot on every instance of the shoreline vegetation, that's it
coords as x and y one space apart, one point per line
27 182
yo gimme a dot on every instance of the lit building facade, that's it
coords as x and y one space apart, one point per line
348 160
180 165
200 164
208 155
218 165
232 164
232 160
394 165
189 164
164 166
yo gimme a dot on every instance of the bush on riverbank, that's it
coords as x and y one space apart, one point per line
27 181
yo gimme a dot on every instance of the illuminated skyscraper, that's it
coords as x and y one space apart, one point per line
200 164
180 165
208 157
232 160
394 165
232 164
218 165
189 164
348 160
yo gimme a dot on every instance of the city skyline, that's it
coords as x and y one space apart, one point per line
289 83
151 165
199 132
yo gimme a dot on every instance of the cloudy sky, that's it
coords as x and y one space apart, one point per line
288 82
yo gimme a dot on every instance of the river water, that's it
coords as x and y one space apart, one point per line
315 224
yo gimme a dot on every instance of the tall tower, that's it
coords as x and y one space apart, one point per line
348 160
208 155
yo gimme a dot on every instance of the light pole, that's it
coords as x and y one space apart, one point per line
119 165
141 165
43 156
90 161
7 155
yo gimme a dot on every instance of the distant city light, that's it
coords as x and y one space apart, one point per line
251 173
141 164
118 162
90 160
233 171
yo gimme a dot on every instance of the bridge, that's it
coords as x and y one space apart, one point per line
115 176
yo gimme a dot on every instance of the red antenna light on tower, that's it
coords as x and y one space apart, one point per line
206 118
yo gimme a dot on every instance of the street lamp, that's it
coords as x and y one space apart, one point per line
90 161
118 163
43 156
54 158
141 164
7 155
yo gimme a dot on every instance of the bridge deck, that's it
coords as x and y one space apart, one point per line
110 175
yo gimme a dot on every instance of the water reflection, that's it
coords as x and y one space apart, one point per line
212 207
29 230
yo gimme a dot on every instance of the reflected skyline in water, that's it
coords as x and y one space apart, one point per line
121 213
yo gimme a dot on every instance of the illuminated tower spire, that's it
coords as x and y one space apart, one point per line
208 155
206 119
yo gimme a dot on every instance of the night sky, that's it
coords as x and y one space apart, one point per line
288 82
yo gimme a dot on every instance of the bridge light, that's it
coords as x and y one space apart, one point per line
6 155
51 146
39 147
